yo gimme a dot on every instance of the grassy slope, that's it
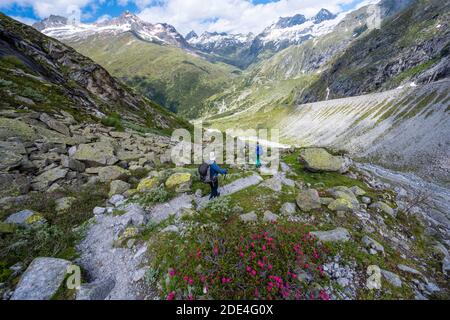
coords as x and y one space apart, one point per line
169 75
54 84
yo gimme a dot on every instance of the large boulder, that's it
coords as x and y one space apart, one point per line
42 279
381 206
318 159
180 181
45 179
308 200
13 184
110 173
73 164
96 154
336 235
16 128
342 204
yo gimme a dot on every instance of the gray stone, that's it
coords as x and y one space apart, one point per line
99 210
270 217
273 183
407 269
366 200
55 124
308 200
326 201
75 165
110 173
170 228
97 290
372 244
249 217
392 278
115 199
383 207
118 187
336 235
288 209
96 154
42 279
44 180
357 191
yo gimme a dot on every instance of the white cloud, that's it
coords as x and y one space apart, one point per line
230 15
44 8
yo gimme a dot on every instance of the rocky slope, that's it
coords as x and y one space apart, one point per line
411 46
38 72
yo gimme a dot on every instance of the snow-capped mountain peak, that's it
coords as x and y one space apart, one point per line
214 42
161 33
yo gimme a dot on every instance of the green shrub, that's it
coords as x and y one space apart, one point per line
156 195
273 261
33 95
6 83
113 120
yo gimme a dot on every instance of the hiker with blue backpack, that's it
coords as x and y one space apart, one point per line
259 153
209 173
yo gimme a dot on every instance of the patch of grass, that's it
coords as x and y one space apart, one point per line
113 120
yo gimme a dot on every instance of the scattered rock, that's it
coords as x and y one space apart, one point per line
366 200
288 209
372 245
338 234
383 207
308 200
342 204
249 217
42 279
273 183
75 165
44 180
326 201
270 217
116 199
407 269
107 174
357 191
318 159
118 187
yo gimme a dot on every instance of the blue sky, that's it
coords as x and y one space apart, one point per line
200 15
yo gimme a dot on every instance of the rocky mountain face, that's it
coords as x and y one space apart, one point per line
160 33
41 73
412 46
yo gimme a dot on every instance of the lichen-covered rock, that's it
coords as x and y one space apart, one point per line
107 174
118 187
180 181
42 279
128 233
308 200
11 154
318 159
357 191
342 204
147 184
96 154
73 164
336 235
25 218
16 128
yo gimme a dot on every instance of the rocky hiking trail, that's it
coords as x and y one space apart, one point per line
112 203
